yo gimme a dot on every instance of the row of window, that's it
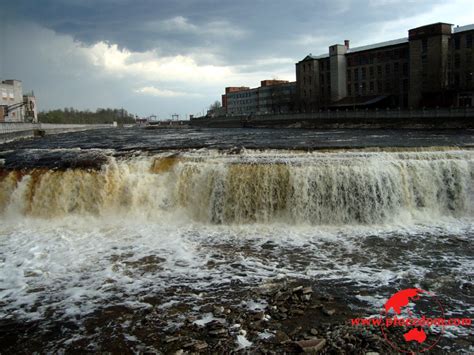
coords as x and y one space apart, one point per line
323 92
361 73
241 95
361 88
467 41
377 57
457 60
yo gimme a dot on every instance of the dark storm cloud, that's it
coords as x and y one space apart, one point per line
233 31
177 56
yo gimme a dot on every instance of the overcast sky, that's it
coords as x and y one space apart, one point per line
176 56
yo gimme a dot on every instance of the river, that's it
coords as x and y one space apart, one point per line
99 226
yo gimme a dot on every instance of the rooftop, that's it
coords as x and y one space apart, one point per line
463 28
379 45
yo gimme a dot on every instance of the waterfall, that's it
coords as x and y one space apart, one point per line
330 188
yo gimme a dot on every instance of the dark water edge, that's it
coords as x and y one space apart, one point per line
89 149
128 139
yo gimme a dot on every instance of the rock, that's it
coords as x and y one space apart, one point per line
312 346
314 331
298 312
259 316
306 297
283 309
295 331
281 337
189 344
171 339
217 310
296 289
218 332
371 353
329 312
179 352
200 346
208 308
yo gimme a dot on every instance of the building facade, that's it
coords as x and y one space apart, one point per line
12 94
273 96
22 107
432 67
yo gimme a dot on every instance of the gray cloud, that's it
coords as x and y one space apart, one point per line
147 54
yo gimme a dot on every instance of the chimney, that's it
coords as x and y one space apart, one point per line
346 43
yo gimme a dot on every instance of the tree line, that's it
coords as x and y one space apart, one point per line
71 115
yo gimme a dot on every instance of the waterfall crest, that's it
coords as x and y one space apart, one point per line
311 188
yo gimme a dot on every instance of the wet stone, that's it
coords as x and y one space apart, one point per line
312 346
281 337
329 312
296 289
200 346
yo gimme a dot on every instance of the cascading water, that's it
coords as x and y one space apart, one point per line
85 247
296 188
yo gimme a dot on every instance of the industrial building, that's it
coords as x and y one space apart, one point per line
14 105
272 96
432 67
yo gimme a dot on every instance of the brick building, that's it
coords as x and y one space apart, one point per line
432 67
272 96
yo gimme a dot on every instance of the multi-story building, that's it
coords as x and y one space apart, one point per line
11 95
460 77
432 67
273 96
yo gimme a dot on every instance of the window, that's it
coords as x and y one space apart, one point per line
424 45
469 41
356 74
349 90
396 67
405 84
379 70
387 69
469 78
457 43
457 60
388 86
371 72
348 74
372 86
364 73
405 69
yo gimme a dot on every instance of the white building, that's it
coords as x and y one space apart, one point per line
11 94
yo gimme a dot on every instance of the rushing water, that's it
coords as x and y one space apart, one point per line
113 229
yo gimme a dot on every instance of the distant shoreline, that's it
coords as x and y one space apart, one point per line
383 119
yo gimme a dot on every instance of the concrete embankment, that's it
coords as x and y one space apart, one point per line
390 119
10 131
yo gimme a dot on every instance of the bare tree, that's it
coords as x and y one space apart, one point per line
216 105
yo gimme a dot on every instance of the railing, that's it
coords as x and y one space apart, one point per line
467 112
